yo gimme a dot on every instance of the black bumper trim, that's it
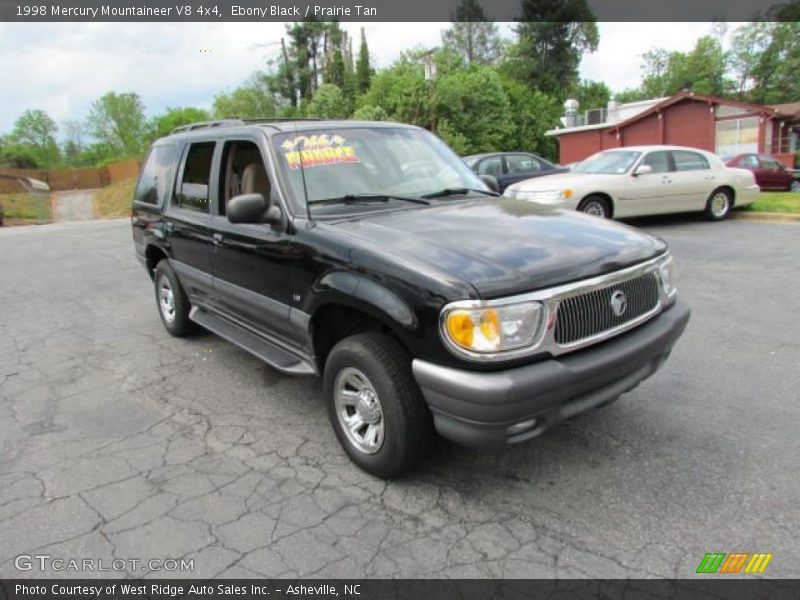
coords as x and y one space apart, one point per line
476 408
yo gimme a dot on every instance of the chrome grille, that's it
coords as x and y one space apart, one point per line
590 313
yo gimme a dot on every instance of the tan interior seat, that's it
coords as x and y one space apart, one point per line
255 180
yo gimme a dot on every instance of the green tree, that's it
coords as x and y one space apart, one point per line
72 147
592 94
401 90
703 70
163 124
552 38
338 63
475 109
305 54
117 120
533 113
363 69
747 46
35 132
631 95
774 75
472 34
253 99
370 112
328 103
15 156
98 154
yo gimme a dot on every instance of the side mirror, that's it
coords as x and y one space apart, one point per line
643 170
491 183
252 208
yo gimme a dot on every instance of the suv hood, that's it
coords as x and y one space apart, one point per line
503 246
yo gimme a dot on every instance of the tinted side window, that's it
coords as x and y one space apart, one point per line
770 163
152 186
689 161
749 162
519 163
491 166
242 172
659 161
193 187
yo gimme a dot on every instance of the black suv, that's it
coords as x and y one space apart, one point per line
370 254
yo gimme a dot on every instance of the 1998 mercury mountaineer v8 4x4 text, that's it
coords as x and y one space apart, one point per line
370 254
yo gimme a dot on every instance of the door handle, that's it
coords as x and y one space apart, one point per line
217 237
169 226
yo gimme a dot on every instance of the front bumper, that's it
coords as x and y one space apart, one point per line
478 408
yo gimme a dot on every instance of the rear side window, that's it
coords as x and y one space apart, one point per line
659 161
491 166
520 163
689 161
770 163
153 181
749 162
194 185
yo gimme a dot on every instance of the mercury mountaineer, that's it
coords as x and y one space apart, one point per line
370 255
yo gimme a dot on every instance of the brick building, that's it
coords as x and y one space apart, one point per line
686 119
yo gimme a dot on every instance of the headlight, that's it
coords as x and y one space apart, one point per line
546 196
485 329
668 276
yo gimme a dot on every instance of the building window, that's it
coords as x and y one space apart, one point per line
737 136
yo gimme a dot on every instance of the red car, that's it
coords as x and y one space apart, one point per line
770 173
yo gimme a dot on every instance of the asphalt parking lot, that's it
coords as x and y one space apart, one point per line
118 441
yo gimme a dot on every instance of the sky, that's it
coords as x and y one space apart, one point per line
62 67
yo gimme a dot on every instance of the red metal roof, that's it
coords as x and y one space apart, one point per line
684 95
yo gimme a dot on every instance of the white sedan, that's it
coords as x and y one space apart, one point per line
644 180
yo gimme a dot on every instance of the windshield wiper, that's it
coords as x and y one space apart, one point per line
361 198
456 191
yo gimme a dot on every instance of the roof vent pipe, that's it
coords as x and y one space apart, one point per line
571 112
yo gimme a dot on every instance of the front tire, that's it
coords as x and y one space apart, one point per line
374 404
596 206
173 305
719 205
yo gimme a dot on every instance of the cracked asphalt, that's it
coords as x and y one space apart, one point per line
119 441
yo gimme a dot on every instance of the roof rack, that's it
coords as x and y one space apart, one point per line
205 124
279 119
236 121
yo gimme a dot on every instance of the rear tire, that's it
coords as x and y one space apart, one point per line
719 205
794 186
374 404
173 305
596 206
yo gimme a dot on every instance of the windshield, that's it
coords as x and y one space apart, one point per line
370 161
614 162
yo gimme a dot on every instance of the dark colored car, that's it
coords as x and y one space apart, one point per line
511 167
769 172
368 253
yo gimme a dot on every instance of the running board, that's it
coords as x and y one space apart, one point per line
268 351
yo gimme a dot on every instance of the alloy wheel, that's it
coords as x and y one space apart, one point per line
359 410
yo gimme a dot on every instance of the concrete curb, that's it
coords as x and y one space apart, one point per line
746 215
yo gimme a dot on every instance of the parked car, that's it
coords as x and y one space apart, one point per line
770 173
644 180
425 303
511 167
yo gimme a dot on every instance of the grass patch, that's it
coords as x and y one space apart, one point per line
26 208
114 200
776 202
